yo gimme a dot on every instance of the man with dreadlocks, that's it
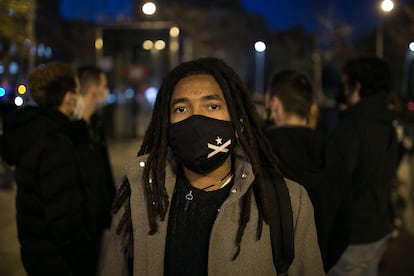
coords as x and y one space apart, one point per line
205 195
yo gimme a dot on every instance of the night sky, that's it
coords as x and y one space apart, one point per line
279 14
289 13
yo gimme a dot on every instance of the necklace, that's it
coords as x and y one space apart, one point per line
218 182
189 196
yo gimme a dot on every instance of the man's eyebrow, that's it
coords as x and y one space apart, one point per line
212 97
203 98
179 100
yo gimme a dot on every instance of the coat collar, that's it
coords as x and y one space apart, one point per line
243 179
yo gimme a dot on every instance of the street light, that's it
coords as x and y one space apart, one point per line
260 48
386 6
149 8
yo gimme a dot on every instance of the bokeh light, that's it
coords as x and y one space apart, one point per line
151 95
149 8
260 46
159 44
147 44
18 101
2 92
21 89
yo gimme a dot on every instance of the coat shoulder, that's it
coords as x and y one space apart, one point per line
299 198
295 189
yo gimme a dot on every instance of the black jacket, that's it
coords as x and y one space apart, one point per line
301 154
55 230
365 146
96 172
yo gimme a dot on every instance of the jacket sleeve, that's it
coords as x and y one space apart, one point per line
308 259
61 190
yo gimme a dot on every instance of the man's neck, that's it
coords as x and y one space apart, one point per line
201 181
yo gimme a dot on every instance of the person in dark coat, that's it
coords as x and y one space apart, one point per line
365 146
93 91
299 147
92 149
55 225
301 153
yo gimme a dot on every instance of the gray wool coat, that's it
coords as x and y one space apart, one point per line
255 256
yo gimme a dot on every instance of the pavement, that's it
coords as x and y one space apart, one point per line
396 261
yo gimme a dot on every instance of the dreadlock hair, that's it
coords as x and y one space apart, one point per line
249 133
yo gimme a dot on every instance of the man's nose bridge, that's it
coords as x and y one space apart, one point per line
196 109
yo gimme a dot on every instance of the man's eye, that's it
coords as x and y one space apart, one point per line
214 107
179 109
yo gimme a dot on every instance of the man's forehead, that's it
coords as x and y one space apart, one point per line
199 96
197 90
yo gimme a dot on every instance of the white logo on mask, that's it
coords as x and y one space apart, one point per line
217 149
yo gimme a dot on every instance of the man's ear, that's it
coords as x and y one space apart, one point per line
95 90
68 99
276 109
275 103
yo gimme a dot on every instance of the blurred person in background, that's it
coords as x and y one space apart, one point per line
205 195
301 153
365 145
56 228
92 141
94 92
92 147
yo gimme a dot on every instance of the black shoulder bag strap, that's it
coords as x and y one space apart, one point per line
281 222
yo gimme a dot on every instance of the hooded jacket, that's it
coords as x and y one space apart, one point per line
52 220
365 146
255 256
301 155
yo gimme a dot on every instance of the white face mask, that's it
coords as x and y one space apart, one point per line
79 108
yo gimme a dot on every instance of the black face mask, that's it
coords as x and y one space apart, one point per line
201 143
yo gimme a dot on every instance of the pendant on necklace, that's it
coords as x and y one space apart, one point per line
188 198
